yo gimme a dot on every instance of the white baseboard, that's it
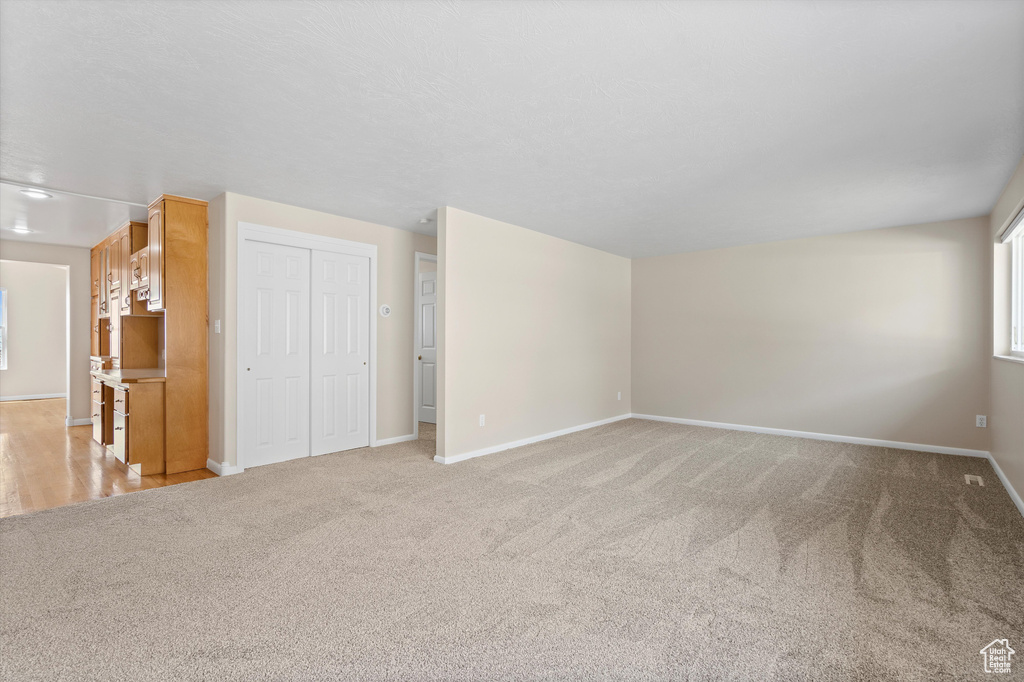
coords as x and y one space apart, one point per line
919 447
1006 484
451 459
37 396
222 468
396 439
940 449
70 421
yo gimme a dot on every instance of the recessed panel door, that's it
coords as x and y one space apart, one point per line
426 346
339 367
274 346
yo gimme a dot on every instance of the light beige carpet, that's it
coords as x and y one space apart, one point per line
637 550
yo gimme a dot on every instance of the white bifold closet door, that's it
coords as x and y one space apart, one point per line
340 373
305 351
275 352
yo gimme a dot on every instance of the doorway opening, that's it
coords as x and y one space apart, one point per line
35 330
424 410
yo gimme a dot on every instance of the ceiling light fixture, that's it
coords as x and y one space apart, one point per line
36 193
424 221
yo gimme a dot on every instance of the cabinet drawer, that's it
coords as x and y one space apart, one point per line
97 391
121 436
97 427
121 400
97 409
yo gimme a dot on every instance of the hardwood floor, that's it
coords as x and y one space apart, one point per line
44 464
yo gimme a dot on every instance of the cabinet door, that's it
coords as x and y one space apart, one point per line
94 330
97 412
97 423
156 256
104 281
95 271
133 271
115 324
115 261
144 268
125 249
121 436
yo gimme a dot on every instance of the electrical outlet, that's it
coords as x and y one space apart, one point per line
481 420
981 421
216 326
620 395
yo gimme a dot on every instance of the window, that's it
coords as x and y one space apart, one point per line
1017 283
3 328
1015 235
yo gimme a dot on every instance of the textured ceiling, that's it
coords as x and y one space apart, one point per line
61 219
638 128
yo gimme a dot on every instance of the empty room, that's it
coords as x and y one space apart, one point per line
511 339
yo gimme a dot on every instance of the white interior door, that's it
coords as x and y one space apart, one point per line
426 346
339 365
274 346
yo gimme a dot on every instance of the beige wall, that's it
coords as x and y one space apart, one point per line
395 269
535 333
877 334
1007 376
37 339
77 261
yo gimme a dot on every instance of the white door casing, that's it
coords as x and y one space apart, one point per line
274 349
339 362
426 347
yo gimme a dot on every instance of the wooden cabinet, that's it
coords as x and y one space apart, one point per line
124 240
97 412
156 254
114 275
144 269
103 283
151 301
95 271
108 414
121 423
121 399
94 328
136 270
181 268
138 427
114 324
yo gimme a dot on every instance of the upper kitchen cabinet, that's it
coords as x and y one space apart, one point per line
131 237
156 261
95 271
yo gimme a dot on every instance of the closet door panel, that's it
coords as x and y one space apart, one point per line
340 354
275 351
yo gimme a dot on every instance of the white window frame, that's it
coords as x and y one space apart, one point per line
1017 298
1014 234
